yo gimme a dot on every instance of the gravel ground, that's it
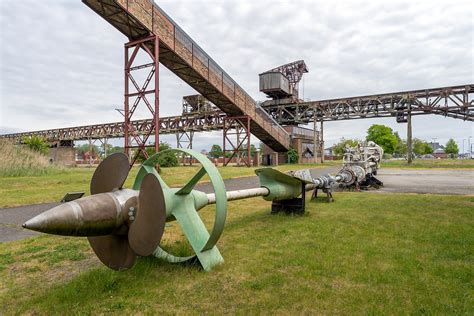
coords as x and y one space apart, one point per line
435 181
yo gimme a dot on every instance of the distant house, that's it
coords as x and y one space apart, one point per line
329 153
87 157
440 153
436 146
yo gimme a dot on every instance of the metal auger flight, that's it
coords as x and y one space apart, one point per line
122 224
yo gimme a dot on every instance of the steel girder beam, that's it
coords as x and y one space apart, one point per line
184 139
456 102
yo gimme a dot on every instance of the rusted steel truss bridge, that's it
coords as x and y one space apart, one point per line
455 102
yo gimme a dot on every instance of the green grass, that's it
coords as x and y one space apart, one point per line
366 253
430 163
51 187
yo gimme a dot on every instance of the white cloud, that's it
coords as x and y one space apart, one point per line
66 68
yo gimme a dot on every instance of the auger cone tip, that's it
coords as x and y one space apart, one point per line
119 223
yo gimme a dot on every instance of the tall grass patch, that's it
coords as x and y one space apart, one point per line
17 161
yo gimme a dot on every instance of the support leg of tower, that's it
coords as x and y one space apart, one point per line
137 95
238 127
184 139
321 143
409 137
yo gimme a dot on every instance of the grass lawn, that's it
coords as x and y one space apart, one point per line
430 163
15 191
364 254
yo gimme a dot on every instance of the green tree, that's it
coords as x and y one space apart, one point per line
428 148
421 147
402 148
340 148
383 136
115 149
168 159
292 155
105 149
253 149
37 143
451 147
216 151
84 148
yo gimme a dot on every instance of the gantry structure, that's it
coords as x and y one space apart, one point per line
454 101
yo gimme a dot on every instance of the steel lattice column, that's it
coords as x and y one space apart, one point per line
133 139
238 126
184 140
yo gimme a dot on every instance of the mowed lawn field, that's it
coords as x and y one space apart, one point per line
430 163
364 254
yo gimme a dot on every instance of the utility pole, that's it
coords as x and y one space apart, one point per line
433 144
90 152
469 146
315 139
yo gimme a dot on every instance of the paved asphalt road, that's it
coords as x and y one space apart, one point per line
436 181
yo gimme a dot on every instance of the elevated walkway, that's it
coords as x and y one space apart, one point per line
179 53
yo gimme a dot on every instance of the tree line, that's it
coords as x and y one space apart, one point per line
393 144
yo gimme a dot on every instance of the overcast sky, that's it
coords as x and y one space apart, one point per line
62 65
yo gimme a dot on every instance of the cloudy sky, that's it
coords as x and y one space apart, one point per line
62 65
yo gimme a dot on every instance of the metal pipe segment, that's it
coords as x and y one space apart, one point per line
240 194
321 182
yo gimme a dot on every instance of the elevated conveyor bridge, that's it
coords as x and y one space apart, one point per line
139 19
